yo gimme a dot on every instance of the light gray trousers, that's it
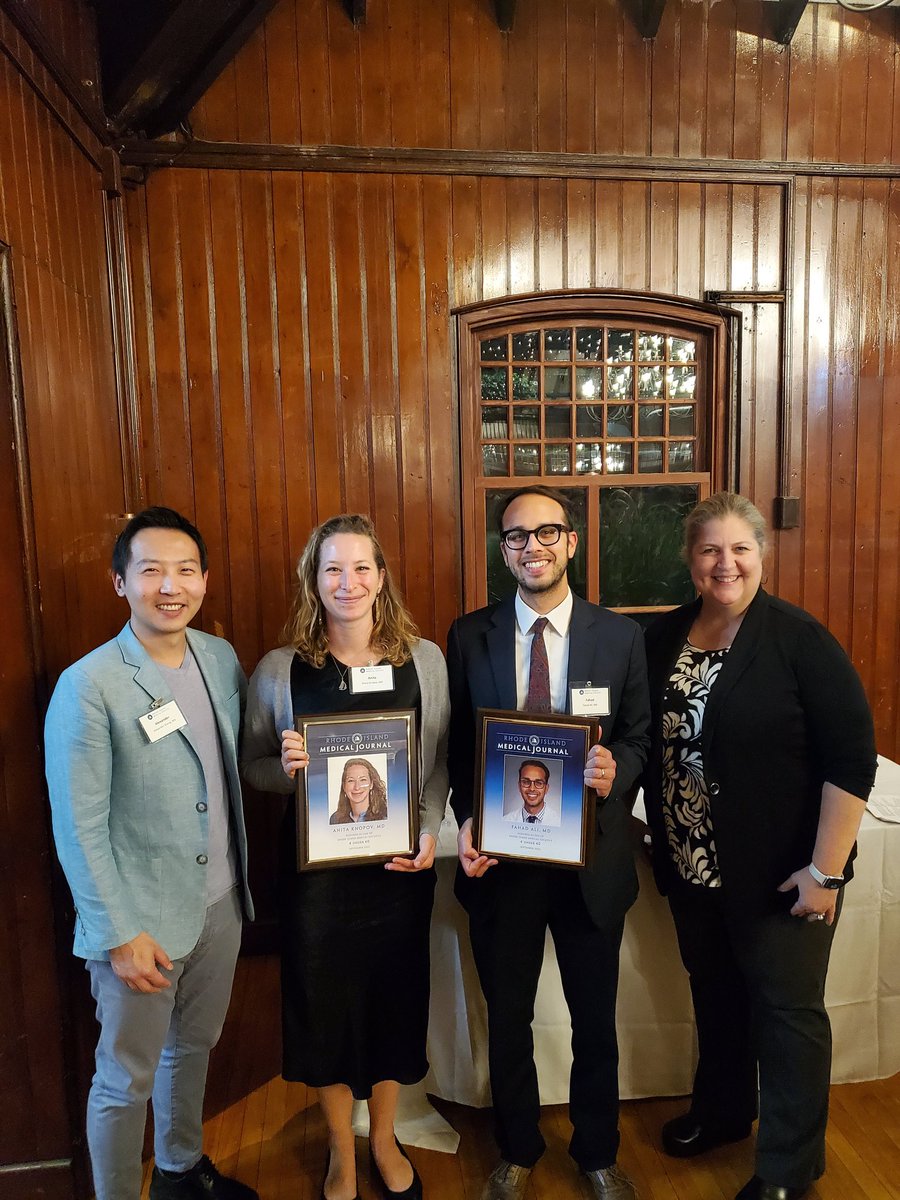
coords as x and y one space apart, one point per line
158 1045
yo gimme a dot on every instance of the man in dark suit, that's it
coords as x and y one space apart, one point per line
524 653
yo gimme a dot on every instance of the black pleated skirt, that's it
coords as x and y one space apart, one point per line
355 976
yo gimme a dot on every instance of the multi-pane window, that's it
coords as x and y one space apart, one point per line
623 410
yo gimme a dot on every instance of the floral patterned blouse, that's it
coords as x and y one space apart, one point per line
688 821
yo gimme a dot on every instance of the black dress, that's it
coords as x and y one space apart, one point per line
355 940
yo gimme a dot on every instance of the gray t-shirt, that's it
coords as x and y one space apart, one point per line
190 692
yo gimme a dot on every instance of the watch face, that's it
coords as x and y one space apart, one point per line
833 882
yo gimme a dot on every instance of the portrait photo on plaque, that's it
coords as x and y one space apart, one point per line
530 798
358 799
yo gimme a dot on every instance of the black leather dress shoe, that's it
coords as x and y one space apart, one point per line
758 1189
201 1182
687 1135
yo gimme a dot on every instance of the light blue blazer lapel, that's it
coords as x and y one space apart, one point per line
146 673
501 646
149 677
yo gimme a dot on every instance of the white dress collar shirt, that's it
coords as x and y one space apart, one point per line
556 639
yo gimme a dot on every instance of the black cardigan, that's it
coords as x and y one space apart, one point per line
787 713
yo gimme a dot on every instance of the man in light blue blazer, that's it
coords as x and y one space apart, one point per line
141 750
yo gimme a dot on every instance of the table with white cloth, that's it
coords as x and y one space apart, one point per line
657 1042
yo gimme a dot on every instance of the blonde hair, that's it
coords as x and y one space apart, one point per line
716 508
394 633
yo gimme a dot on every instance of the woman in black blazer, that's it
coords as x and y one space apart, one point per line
762 758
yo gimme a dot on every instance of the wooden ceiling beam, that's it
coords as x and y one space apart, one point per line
647 15
787 18
356 11
505 12
175 65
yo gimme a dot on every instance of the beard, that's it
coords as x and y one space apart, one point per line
545 584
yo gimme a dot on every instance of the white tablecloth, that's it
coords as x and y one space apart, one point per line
657 1043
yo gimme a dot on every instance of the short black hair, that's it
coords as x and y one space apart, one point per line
535 762
154 518
539 489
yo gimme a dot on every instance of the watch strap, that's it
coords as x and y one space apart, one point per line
824 880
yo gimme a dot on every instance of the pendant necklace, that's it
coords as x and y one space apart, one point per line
342 687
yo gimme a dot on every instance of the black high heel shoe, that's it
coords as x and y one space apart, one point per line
325 1177
413 1192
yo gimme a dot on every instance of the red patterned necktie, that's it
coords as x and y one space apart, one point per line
538 698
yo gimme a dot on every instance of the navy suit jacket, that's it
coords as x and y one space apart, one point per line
603 646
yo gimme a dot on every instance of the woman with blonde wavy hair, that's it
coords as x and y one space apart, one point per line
360 932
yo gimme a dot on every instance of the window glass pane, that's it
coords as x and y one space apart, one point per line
589 383
525 423
651 347
494 422
682 382
681 420
650 382
526 460
619 420
588 458
557 383
499 581
558 460
589 420
558 344
494 349
682 349
493 383
640 542
525 346
619 458
557 421
620 346
650 420
589 344
681 456
525 383
650 457
495 460
619 383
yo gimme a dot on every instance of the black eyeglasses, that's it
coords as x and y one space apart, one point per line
547 535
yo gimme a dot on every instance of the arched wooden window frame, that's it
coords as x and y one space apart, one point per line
716 328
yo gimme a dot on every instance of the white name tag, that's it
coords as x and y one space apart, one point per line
589 700
371 679
160 722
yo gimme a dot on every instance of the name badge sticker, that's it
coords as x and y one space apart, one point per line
371 679
162 720
589 699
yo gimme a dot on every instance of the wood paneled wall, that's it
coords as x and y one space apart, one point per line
574 75
60 434
295 329
52 216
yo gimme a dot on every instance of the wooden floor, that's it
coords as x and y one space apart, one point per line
271 1134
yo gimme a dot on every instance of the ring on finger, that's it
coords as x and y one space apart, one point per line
603 772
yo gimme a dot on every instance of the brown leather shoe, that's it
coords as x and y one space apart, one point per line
507 1181
611 1183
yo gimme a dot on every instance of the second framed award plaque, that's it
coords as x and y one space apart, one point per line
530 799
